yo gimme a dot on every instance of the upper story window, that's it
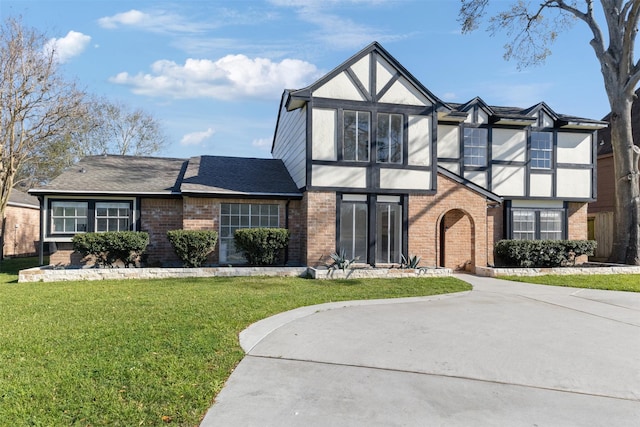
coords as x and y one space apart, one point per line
69 217
356 136
112 216
475 146
541 149
389 138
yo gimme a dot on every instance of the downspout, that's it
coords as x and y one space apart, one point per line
41 232
286 225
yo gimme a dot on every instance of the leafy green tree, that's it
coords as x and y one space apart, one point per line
533 27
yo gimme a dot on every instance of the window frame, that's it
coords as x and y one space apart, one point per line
537 222
91 216
356 150
464 146
535 159
399 143
226 237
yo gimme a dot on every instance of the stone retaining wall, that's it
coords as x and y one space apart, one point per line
586 269
48 274
370 273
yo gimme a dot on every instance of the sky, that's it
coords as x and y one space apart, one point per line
212 72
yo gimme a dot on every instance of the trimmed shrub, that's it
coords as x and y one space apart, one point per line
261 246
542 253
112 246
193 246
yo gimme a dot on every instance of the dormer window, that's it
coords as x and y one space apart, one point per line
357 131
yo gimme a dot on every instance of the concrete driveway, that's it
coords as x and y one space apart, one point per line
504 354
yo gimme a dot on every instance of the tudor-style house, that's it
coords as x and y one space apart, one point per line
366 160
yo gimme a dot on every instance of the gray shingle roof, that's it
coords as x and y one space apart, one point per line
118 175
238 176
19 198
210 175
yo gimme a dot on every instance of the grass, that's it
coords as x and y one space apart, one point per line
145 352
610 282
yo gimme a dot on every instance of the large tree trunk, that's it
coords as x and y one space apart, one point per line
626 242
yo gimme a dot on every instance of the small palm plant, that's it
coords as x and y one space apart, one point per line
340 260
411 262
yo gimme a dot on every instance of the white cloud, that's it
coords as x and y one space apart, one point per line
334 30
229 77
65 48
262 143
157 21
197 138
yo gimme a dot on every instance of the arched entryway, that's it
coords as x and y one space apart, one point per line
456 240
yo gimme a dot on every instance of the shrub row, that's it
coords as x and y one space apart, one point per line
542 253
113 246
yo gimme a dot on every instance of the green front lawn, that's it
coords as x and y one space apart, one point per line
145 352
610 282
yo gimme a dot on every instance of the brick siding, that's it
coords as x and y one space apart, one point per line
22 231
464 211
157 216
319 211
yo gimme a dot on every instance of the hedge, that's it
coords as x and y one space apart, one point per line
261 246
112 246
192 246
542 253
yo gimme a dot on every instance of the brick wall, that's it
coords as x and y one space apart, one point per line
495 230
466 242
577 226
157 216
320 212
204 214
22 231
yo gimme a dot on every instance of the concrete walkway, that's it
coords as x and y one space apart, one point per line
504 354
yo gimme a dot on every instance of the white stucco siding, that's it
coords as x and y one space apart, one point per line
574 183
339 87
323 134
384 73
450 166
419 136
403 92
483 117
339 176
508 180
541 185
402 179
291 143
509 145
477 177
449 141
574 148
547 121
361 70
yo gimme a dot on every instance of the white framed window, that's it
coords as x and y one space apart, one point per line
475 142
243 215
112 216
356 136
537 224
541 150
389 138
69 217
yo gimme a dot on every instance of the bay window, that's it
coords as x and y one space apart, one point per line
68 217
